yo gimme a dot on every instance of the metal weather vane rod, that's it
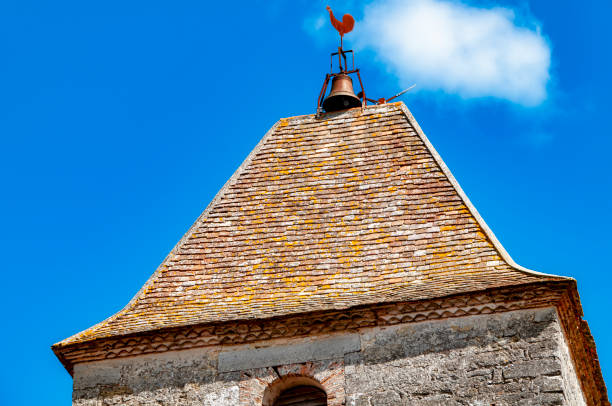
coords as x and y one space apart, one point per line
382 100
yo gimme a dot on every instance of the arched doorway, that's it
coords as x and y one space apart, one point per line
295 390
302 395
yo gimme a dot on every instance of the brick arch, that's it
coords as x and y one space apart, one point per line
259 386
285 383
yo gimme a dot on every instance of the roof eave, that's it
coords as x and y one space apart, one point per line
61 347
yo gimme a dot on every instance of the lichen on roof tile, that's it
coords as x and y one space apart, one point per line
326 213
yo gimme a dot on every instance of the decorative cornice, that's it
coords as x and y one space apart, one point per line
562 295
239 332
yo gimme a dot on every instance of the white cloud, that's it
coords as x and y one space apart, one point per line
313 25
318 23
459 49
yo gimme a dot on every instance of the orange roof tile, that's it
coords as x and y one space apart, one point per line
348 209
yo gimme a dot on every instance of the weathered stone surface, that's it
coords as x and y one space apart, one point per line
569 382
312 350
512 358
173 378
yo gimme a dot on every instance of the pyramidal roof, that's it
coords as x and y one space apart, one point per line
348 209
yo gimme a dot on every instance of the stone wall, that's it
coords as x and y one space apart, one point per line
173 378
509 358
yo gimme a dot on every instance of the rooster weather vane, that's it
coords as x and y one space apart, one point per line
343 27
342 95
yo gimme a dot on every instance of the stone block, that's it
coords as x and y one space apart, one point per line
313 350
531 369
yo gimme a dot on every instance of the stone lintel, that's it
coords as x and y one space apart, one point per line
315 350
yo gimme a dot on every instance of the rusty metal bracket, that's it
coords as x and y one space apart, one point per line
322 94
364 99
345 71
342 55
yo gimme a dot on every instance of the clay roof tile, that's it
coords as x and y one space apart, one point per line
352 208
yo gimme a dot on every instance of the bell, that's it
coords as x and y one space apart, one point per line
341 96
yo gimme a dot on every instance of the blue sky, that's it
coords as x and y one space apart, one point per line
119 122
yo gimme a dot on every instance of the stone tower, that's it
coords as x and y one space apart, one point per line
341 264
